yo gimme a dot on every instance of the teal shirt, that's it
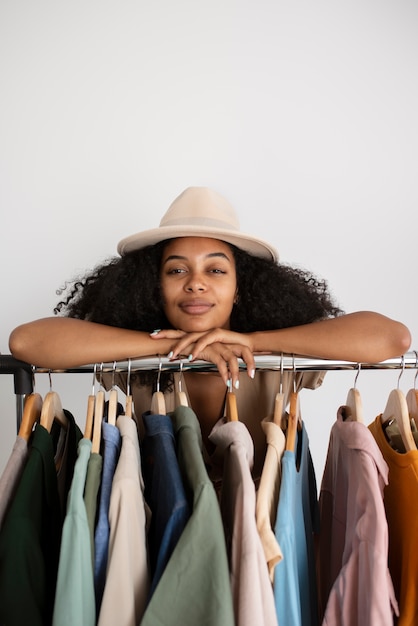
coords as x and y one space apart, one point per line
195 587
74 597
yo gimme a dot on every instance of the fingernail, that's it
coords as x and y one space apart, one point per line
228 383
252 373
170 354
190 357
155 332
236 384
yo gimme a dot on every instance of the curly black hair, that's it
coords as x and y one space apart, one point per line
125 292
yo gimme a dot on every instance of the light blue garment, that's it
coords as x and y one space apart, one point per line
74 597
111 440
297 513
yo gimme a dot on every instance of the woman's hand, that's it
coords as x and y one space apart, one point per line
221 347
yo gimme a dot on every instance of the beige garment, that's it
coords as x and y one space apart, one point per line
268 493
127 576
255 400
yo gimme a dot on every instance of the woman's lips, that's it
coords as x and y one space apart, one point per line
195 307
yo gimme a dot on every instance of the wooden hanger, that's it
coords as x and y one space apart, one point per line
181 397
231 411
397 409
278 413
412 403
158 399
112 411
353 403
129 399
88 427
293 421
31 415
52 411
412 396
97 421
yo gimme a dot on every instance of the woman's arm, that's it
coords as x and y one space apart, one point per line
63 342
364 336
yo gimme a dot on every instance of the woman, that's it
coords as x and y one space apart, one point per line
216 294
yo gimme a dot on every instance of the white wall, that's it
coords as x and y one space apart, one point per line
302 113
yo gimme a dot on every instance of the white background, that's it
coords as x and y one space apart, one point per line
303 114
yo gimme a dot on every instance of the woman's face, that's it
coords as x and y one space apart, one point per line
199 283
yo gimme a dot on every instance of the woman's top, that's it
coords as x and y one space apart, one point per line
255 400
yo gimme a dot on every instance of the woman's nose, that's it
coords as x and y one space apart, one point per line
195 283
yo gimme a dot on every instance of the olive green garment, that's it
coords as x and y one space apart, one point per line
195 587
91 492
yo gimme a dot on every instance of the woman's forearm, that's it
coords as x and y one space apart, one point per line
360 337
63 342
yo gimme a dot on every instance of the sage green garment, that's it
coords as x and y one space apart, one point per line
195 587
74 596
91 491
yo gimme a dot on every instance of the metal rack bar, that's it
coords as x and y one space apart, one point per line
23 372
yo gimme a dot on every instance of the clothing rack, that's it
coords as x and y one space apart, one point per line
23 373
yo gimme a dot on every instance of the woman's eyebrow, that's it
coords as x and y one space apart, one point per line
179 257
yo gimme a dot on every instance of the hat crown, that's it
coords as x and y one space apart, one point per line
200 206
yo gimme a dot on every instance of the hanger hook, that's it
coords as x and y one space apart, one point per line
294 373
281 373
33 369
181 374
357 374
128 380
93 391
101 374
416 366
402 370
50 380
159 372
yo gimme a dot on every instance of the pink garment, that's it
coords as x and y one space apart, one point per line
251 587
355 587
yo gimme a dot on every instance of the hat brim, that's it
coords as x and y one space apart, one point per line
250 244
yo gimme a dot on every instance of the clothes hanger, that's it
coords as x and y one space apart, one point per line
88 427
397 409
31 413
279 413
231 410
294 420
158 400
112 410
99 404
129 399
412 396
181 397
353 404
52 410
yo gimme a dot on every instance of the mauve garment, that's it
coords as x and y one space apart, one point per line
355 586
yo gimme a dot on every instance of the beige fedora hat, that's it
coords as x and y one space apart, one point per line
199 212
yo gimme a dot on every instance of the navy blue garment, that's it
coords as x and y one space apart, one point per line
164 492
